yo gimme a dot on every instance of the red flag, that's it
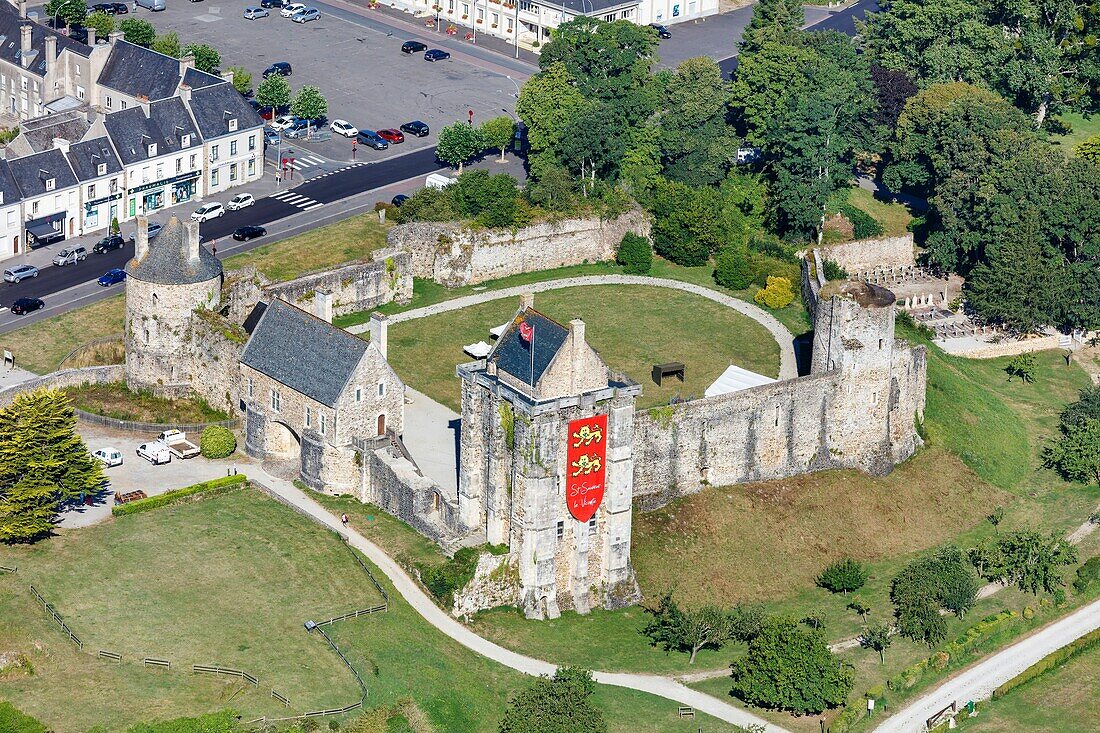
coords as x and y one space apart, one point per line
526 331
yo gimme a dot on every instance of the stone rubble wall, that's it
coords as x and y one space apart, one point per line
495 583
393 484
66 378
866 254
453 254
212 358
355 287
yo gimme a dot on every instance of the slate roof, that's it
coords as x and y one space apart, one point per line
215 105
140 72
132 132
174 121
254 317
303 352
31 171
513 355
198 79
10 41
167 262
40 132
85 158
7 184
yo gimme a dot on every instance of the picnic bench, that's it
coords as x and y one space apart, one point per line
671 369
129 496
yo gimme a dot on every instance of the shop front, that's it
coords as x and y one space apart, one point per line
99 213
46 229
151 197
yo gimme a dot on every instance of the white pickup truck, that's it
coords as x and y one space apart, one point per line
155 452
178 444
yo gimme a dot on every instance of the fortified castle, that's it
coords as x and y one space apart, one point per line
553 456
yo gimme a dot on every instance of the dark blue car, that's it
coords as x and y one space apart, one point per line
112 276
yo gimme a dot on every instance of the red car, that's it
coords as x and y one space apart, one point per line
391 135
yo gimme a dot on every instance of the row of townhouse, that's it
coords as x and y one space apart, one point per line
123 131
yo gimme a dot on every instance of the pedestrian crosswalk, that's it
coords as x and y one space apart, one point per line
305 203
301 162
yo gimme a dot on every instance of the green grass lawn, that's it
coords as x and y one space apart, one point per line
895 218
633 327
1083 128
117 401
41 346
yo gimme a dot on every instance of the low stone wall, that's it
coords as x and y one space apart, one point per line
393 484
866 254
453 254
975 349
355 287
67 378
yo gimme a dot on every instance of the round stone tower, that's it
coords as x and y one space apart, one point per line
166 281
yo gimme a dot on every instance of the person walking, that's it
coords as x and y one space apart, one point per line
214 248
344 519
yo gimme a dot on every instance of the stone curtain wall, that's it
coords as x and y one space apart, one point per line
393 484
66 378
455 255
212 359
866 254
355 287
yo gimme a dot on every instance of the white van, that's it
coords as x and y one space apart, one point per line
438 181
153 5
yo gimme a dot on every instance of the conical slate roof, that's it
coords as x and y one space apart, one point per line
168 260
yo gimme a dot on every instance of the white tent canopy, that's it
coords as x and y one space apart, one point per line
479 350
735 379
499 330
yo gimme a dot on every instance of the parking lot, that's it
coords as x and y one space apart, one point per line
361 71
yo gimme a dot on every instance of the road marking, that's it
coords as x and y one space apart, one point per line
297 200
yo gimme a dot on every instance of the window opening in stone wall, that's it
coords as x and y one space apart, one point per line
358 394
777 415
250 387
881 342
275 400
156 300
321 417
561 530
592 526
309 418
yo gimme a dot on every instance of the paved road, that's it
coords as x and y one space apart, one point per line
788 368
441 620
979 681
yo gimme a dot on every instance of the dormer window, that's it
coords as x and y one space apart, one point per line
101 169
152 149
51 183
233 124
185 141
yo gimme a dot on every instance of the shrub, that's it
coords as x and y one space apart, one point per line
635 254
924 586
843 576
733 269
217 442
206 488
443 580
864 225
1087 574
832 271
1022 366
1050 661
777 294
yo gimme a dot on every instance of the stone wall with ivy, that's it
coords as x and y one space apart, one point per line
355 287
213 352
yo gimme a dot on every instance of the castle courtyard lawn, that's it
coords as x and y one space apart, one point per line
41 346
895 218
230 580
632 327
117 401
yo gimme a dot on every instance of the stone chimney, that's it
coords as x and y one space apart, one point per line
51 54
191 240
322 305
114 37
141 239
91 37
527 300
228 76
61 144
25 42
22 8
379 332
187 61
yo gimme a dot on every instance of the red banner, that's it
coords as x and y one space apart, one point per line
586 471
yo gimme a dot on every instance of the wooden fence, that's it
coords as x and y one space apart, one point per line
363 565
57 617
354 671
109 655
219 670
151 662
280 698
312 714
354 614
6 569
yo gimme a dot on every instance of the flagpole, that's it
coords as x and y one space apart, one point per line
532 345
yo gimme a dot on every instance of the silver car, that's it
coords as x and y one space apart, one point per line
306 15
20 273
253 13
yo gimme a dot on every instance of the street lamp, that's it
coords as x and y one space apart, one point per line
515 28
514 83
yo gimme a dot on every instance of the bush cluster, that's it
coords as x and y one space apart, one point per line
843 576
443 580
1051 661
1087 574
217 442
733 269
206 488
832 271
924 586
635 254
778 293
864 226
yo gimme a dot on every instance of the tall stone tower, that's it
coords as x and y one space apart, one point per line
547 464
168 279
880 388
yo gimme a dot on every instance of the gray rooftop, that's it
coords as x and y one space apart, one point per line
168 263
214 106
513 355
41 131
8 188
32 171
132 132
86 157
198 79
174 121
140 72
10 41
303 352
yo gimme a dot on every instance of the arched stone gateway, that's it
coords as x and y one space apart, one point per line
281 443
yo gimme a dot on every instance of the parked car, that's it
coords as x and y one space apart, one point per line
270 137
19 273
282 68
272 3
240 201
303 126
109 457
153 5
391 135
343 127
206 212
304 16
399 199
416 128
112 277
108 243
289 10
413 47
154 230
23 306
121 8
436 54
254 13
155 452
78 33
372 139
662 32
178 444
251 231
70 255
282 122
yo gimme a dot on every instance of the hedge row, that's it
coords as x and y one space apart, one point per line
218 485
1050 661
980 631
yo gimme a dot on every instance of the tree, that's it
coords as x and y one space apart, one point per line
1078 413
73 12
499 133
996 517
547 102
138 32
688 224
924 586
788 667
697 143
892 90
777 294
988 561
592 143
640 166
102 23
1089 149
635 254
43 463
169 45
1022 366
206 56
242 78
558 704
309 103
458 143
733 269
1076 455
877 637
274 91
491 200
860 609
1032 561
772 21
687 629
832 271
843 576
